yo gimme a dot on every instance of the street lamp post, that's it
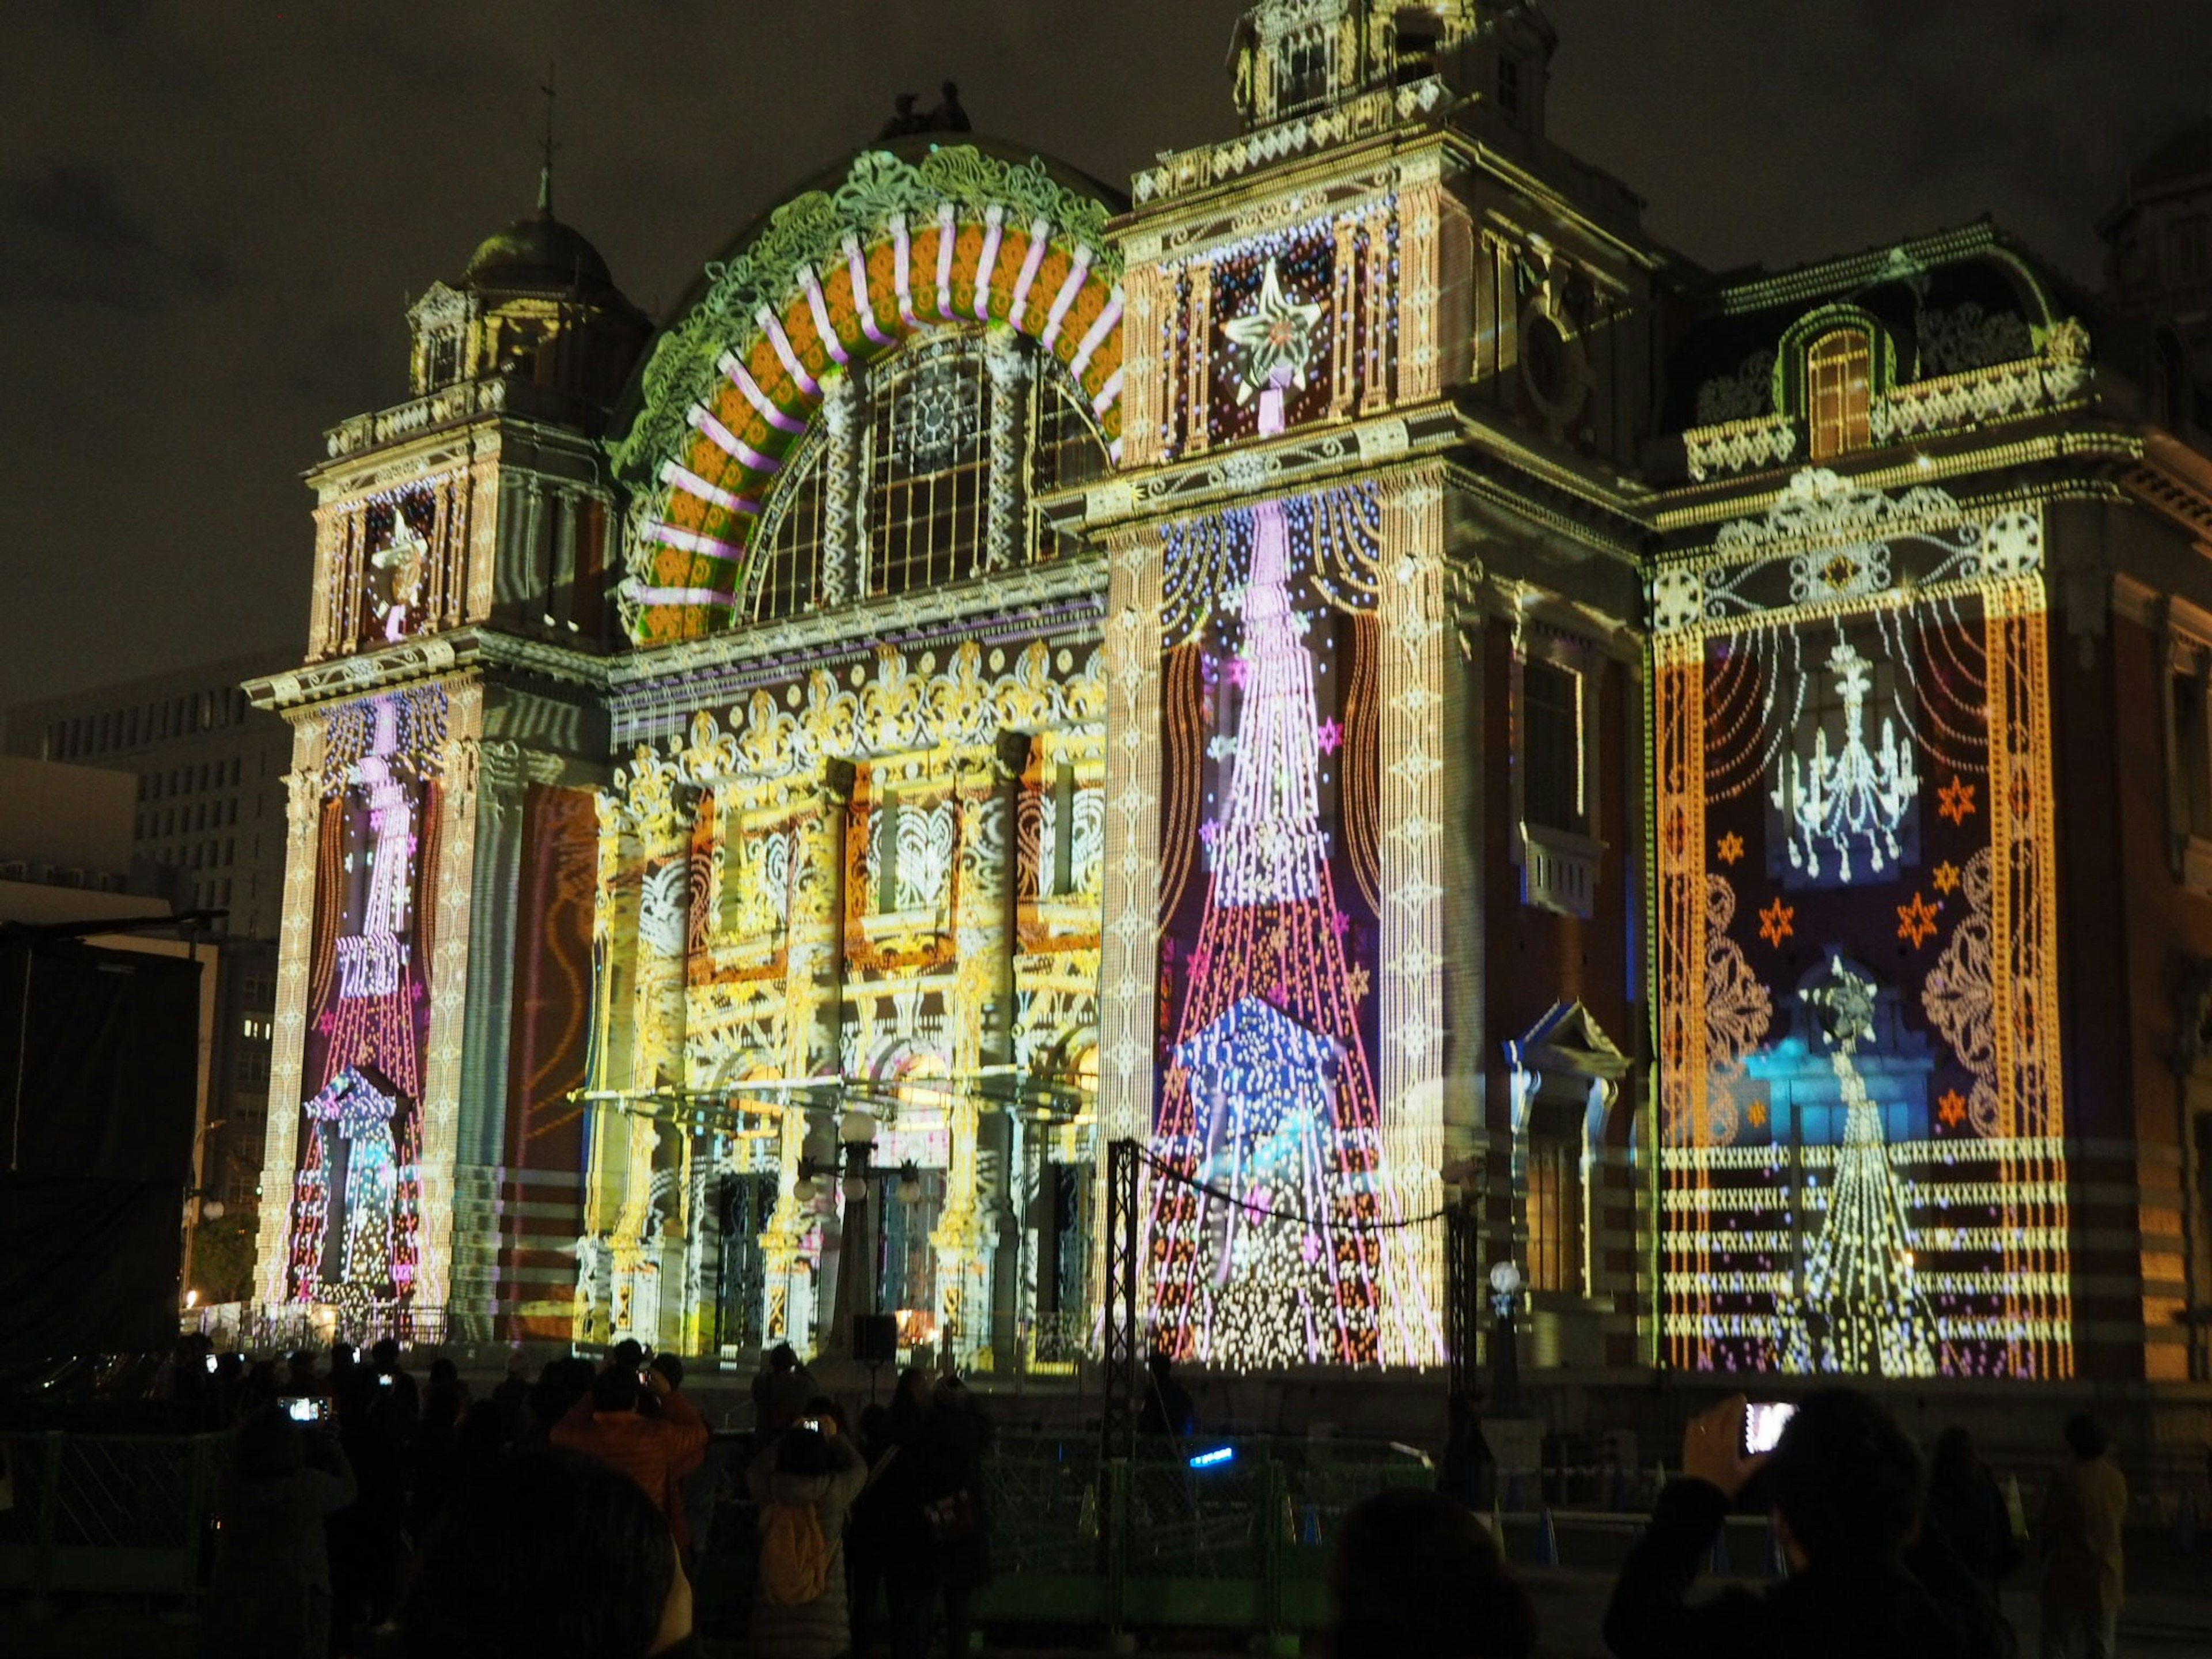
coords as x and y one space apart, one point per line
1505 1287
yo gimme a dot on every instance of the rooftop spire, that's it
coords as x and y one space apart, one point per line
546 148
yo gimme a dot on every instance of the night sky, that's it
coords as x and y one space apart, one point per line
213 213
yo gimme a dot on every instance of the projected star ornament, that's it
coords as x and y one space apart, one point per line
1277 335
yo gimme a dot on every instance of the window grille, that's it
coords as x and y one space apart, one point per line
928 472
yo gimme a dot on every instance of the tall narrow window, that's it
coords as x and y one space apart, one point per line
2192 756
887 855
790 562
1554 1204
1839 378
1306 71
1063 831
930 479
1555 792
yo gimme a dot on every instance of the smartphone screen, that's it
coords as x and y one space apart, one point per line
303 1408
210 1362
813 1423
1763 1421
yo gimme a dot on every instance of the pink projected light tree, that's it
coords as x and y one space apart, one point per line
1264 1239
360 1250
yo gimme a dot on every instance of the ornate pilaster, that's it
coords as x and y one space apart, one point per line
1128 957
480 526
813 1011
453 883
1147 367
1420 285
1198 396
1129 951
1008 367
329 537
502 779
963 1264
841 403
1414 637
303 814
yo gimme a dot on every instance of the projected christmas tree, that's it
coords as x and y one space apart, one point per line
1863 1308
1266 1252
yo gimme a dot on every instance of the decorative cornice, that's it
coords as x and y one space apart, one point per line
1309 459
1901 260
1694 507
1034 587
411 660
2174 481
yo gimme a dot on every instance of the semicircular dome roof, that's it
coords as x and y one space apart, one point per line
537 252
903 238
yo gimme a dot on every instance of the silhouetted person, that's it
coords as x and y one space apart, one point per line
781 1392
1416 1576
949 116
690 1500
935 1532
1966 1505
868 1530
1845 1488
270 1598
511 1397
377 1417
552 1555
438 1439
903 119
2080 1538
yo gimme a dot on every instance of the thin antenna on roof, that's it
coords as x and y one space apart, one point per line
545 171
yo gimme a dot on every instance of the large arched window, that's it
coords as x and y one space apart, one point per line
922 470
1839 392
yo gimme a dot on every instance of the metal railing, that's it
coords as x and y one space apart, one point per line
121 1514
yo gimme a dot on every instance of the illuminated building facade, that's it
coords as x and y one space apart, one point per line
1352 668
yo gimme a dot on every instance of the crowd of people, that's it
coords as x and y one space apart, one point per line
366 1512
572 1514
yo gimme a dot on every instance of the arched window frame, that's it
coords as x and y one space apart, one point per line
1796 390
1040 435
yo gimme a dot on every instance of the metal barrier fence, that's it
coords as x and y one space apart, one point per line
1206 1533
121 1514
1222 1534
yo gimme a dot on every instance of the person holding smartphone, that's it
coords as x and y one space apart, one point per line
1844 1487
270 1591
655 1451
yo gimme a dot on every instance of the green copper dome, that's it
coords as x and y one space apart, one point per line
536 252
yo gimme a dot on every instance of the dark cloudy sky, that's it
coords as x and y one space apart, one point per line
213 212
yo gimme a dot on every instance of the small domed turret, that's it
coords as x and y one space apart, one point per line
537 253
